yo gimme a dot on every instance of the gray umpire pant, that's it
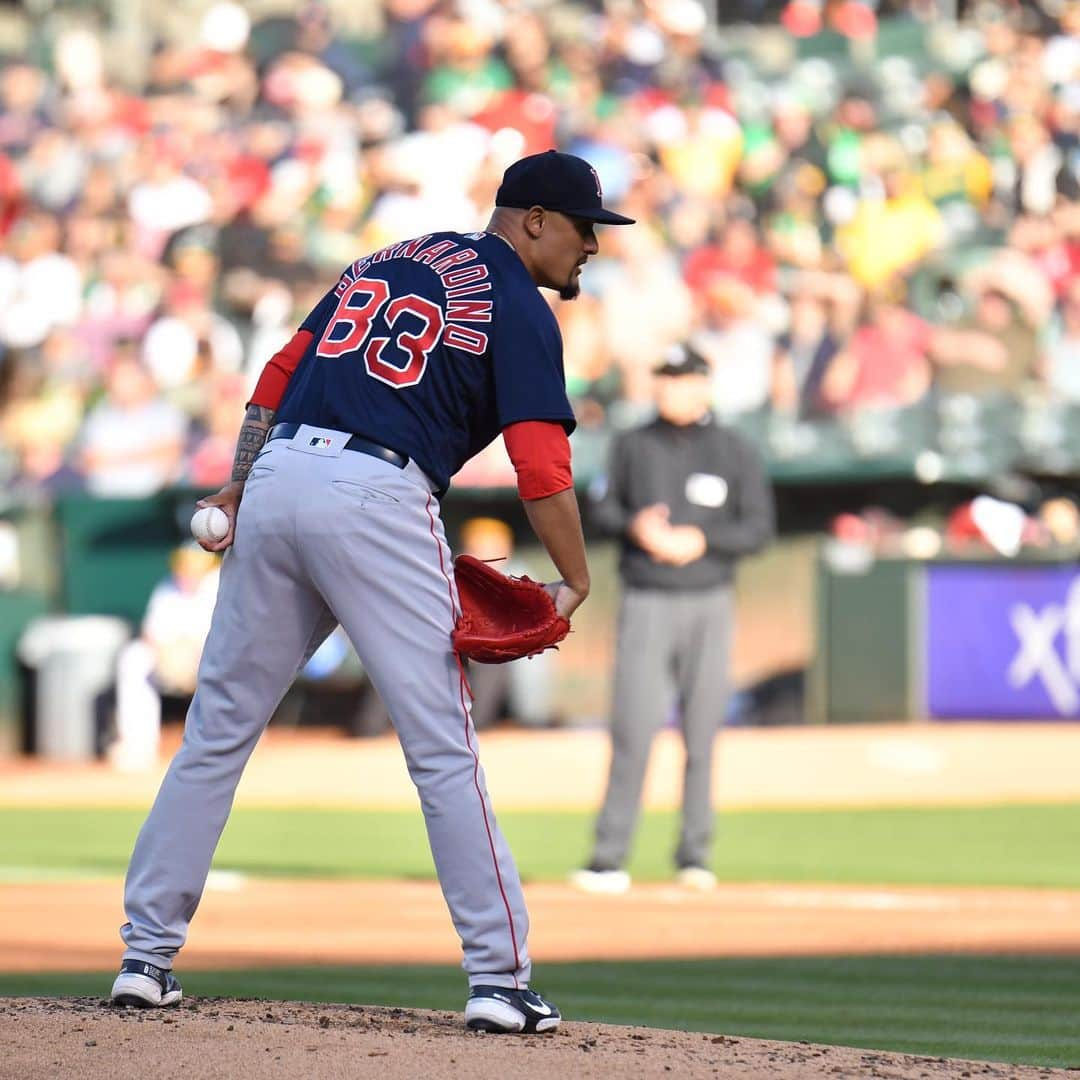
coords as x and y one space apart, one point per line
670 646
322 539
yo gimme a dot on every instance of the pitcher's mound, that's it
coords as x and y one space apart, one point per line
231 1039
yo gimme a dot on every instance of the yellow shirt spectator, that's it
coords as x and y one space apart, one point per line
703 157
887 237
955 170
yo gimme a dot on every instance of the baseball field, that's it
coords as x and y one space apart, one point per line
894 901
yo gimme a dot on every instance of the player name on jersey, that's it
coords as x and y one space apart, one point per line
463 277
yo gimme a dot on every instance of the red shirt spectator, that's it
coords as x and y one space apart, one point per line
886 363
738 255
533 114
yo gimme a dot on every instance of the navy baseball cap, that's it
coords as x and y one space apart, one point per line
560 182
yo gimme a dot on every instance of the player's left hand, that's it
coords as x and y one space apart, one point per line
504 618
228 498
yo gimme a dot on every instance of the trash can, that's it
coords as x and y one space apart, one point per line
73 659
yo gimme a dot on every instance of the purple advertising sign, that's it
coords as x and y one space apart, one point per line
1003 641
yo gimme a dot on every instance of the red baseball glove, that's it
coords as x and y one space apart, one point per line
503 618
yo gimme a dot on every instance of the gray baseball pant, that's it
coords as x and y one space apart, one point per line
670 646
324 538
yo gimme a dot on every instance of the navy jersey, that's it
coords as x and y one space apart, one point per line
431 347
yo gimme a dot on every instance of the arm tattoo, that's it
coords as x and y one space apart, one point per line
253 433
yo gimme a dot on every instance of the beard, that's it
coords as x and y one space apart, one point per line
571 291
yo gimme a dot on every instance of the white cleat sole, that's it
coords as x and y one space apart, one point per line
696 878
142 991
486 1014
601 882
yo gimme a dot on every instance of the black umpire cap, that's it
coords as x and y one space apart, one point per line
682 360
559 182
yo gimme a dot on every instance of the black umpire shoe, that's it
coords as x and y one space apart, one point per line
502 1011
146 986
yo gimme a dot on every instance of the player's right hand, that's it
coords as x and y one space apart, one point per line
228 498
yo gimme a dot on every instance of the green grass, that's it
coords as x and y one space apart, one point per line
996 845
998 1008
1008 1008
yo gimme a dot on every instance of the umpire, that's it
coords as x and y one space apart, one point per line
687 497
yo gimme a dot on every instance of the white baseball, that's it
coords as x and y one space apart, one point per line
210 523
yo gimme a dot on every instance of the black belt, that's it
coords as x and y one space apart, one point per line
361 445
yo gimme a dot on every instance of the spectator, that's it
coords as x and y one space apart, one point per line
589 373
529 106
801 362
995 348
739 255
793 231
1036 175
468 76
120 301
40 286
886 363
637 331
856 118
990 351
699 146
131 443
1053 253
993 525
1060 520
54 170
188 344
956 178
38 425
47 394
164 658
890 234
738 345
42 470
407 55
24 93
795 131
785 152
209 461
1061 360
166 200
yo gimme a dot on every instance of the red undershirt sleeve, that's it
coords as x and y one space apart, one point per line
275 377
540 452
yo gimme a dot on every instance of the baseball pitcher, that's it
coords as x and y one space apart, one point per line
419 356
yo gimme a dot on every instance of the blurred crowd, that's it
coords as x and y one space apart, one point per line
846 210
985 526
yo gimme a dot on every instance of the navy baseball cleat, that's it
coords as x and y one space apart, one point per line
501 1011
144 985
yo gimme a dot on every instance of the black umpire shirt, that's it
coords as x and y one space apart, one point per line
709 476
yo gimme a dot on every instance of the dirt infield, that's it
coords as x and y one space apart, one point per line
853 765
42 1038
72 925
243 922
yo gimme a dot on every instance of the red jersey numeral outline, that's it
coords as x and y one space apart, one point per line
358 308
357 317
418 345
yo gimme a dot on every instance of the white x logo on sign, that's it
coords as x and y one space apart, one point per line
1036 631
